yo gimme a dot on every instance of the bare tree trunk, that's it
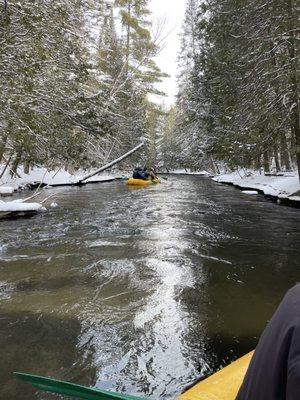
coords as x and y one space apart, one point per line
15 163
276 158
257 163
283 144
128 38
266 162
26 167
284 153
295 108
215 167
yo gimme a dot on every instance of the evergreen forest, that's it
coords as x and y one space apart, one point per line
77 79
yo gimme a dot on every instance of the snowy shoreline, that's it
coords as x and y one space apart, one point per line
39 178
185 172
42 176
284 187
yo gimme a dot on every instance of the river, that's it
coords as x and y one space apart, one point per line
141 290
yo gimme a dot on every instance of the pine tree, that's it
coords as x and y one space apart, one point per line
42 71
188 128
71 85
138 46
244 83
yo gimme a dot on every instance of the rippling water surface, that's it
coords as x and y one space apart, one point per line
141 290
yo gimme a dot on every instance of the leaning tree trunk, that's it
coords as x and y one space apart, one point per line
2 146
112 163
5 167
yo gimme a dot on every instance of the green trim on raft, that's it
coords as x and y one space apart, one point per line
71 389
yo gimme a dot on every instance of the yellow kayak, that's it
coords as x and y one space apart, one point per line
142 182
223 385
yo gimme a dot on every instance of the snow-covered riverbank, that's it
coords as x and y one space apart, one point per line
18 207
186 172
285 187
39 175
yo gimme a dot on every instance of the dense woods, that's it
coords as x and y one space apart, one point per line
238 99
74 86
76 78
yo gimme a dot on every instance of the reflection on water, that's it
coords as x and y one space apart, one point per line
143 290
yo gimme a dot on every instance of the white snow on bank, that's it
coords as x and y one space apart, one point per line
293 198
188 172
51 178
19 206
250 192
6 190
283 186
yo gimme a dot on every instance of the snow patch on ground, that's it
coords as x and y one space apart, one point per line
283 186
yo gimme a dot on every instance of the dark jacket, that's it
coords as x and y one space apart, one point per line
274 371
138 173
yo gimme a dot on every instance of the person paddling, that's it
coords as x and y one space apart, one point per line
144 173
152 173
140 173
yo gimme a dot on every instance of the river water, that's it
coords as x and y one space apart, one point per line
141 290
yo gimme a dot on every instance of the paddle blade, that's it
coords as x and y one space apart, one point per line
71 389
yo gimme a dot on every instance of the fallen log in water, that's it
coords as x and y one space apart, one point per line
116 161
41 177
